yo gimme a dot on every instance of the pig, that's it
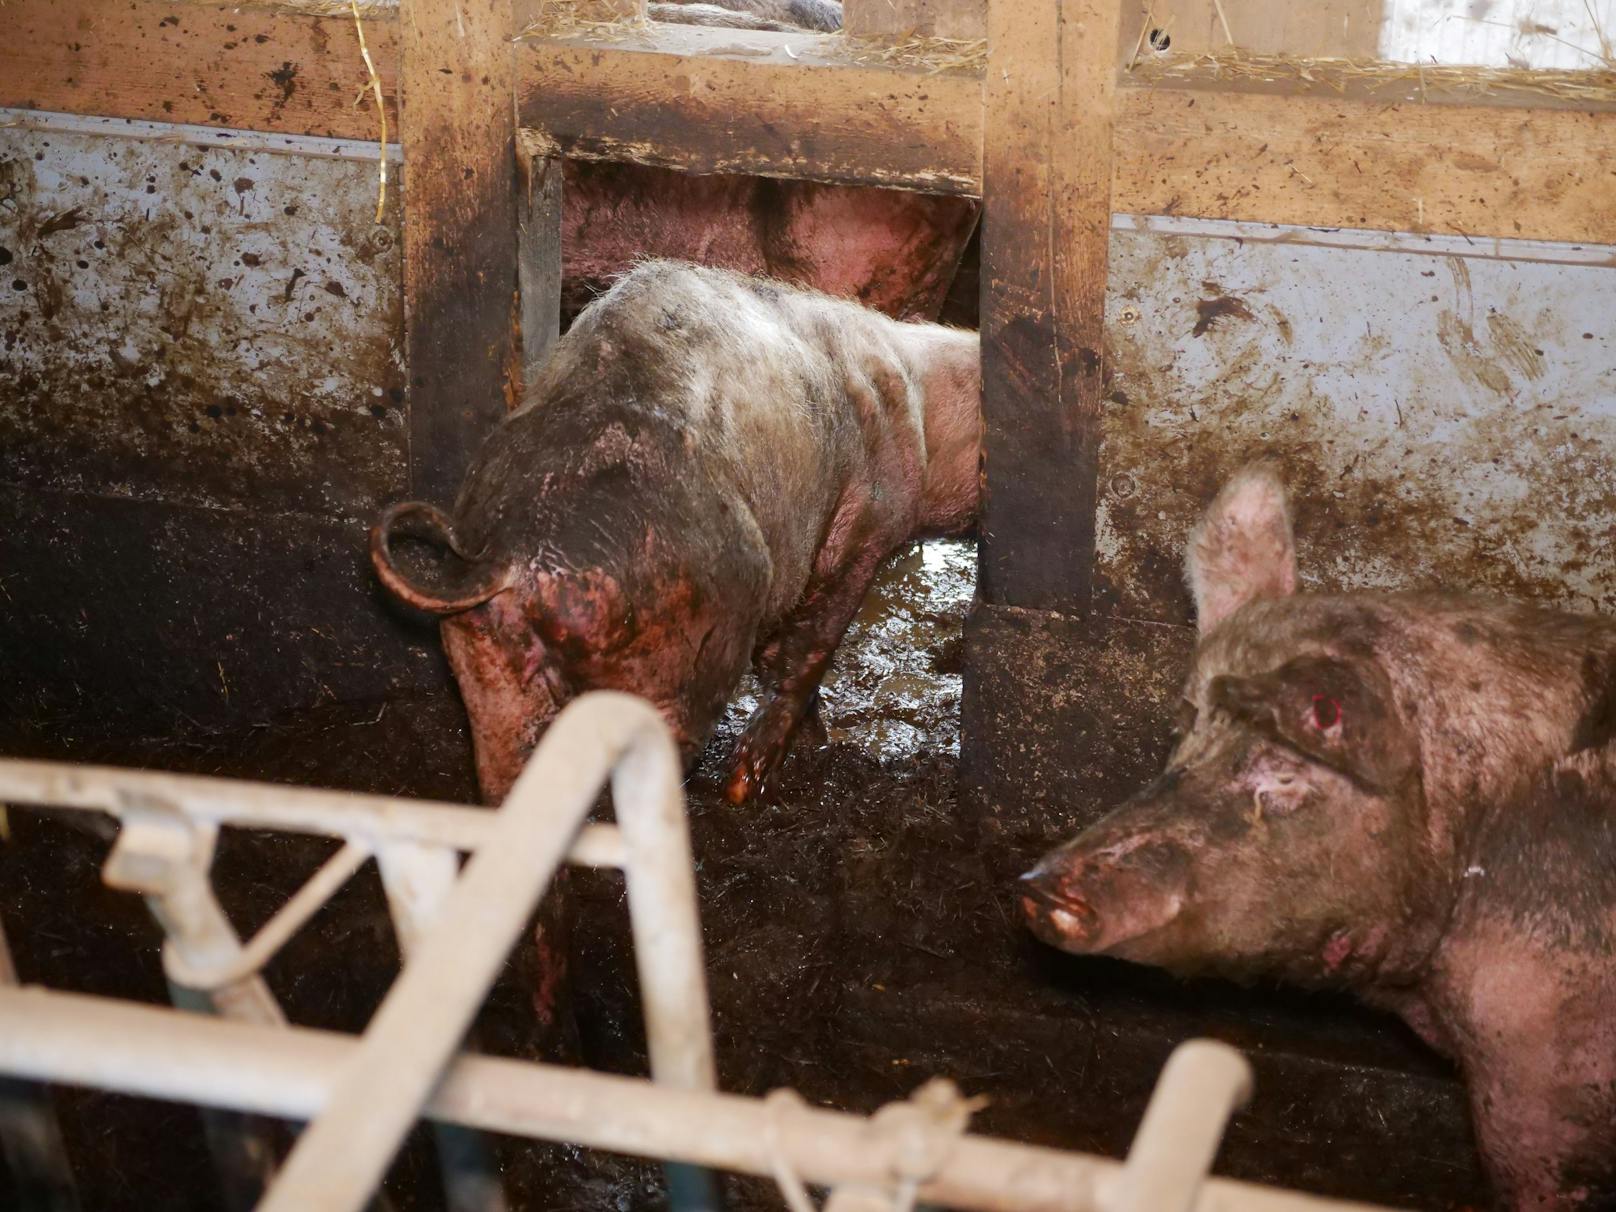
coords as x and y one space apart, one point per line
889 249
708 471
818 16
1408 795
894 251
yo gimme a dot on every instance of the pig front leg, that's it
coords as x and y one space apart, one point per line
791 666
1538 1046
1544 1151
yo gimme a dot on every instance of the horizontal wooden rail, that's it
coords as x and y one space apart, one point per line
779 105
799 107
793 106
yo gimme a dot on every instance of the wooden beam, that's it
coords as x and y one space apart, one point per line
1341 28
1532 173
460 233
253 70
1046 227
539 259
779 105
705 100
963 20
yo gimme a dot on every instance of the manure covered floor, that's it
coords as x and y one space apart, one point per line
860 938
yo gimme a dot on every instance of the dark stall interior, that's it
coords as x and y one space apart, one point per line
217 366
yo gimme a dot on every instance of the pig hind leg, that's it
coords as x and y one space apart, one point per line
791 665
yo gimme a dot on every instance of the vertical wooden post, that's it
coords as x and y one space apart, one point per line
539 256
459 131
1049 96
1028 735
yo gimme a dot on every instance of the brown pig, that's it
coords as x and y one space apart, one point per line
1346 806
709 470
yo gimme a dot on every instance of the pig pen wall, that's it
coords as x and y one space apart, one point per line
201 409
1443 409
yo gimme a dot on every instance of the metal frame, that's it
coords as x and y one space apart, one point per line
454 929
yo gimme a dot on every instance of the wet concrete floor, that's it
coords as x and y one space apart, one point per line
860 939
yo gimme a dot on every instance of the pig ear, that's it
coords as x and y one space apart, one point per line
1243 549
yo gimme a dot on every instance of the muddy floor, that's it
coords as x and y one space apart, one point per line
859 939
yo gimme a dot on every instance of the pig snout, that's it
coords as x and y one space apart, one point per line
1092 900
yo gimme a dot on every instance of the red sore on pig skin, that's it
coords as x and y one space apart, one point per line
1442 840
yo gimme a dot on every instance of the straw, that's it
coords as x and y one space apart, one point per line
381 112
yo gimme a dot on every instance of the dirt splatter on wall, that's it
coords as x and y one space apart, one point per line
1445 411
201 409
199 324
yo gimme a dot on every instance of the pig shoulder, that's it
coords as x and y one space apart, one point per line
1528 980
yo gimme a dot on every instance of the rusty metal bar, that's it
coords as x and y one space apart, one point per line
343 1154
292 1072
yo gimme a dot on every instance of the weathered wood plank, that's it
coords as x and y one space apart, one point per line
460 233
705 100
165 62
1050 93
781 105
720 101
1341 28
539 258
1322 27
1536 173
892 19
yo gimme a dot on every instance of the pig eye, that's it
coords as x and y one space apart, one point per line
1326 712
1185 721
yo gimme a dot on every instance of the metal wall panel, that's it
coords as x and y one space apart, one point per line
197 319
1443 409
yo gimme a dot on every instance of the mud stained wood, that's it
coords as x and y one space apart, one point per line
895 19
779 105
1322 27
1326 28
1051 84
539 259
1540 174
460 234
248 69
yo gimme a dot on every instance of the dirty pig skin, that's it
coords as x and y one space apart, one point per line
1345 806
708 471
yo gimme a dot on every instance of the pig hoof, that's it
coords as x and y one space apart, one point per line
739 788
749 771
746 782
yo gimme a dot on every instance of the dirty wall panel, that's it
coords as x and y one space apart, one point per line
141 618
1445 411
210 324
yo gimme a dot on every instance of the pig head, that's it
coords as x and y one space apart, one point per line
1334 755
525 631
1343 806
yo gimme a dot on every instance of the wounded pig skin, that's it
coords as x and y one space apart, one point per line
896 252
707 473
1345 807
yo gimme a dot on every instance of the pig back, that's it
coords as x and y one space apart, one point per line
692 402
